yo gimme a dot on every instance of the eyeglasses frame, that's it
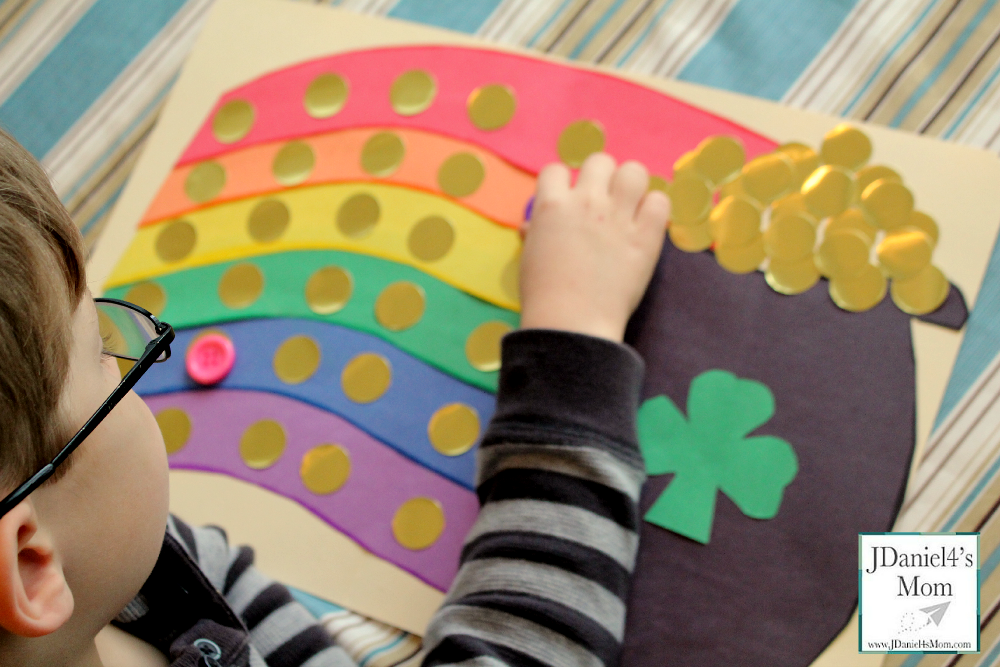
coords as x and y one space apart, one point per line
150 355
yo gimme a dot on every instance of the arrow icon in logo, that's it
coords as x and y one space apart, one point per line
936 612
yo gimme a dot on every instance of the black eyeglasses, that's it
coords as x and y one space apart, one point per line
131 333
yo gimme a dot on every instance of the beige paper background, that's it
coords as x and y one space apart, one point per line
243 39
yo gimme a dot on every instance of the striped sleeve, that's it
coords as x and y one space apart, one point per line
282 631
545 570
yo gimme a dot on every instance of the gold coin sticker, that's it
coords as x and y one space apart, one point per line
262 444
904 252
382 154
175 241
843 254
804 159
741 259
268 220
325 96
854 219
148 295
921 294
690 198
859 293
719 158
828 191
510 278
579 140
431 238
366 377
328 290
491 107
791 277
769 177
461 175
293 163
790 237
686 163
482 347
454 429
418 523
868 175
888 204
691 238
659 183
357 216
205 181
232 121
789 204
325 468
296 359
735 221
412 92
175 426
846 146
124 366
926 224
734 188
400 305
241 285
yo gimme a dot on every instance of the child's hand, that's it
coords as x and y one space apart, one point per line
590 249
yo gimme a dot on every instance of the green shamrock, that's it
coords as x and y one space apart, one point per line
709 452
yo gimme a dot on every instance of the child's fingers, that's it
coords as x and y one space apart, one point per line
654 211
628 185
595 173
553 181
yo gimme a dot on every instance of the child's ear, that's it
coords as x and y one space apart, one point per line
35 599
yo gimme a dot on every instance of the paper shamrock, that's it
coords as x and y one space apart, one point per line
709 452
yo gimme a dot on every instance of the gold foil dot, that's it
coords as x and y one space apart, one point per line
861 292
579 140
719 158
325 468
735 221
461 175
691 238
232 121
325 96
124 365
148 295
854 219
296 359
510 279
921 294
869 175
268 220
366 377
924 223
241 285
400 305
805 160
791 277
418 523
412 92
686 163
175 241
889 204
733 188
790 237
843 254
482 347
175 425
382 154
262 444
293 163
431 238
789 204
659 183
357 216
904 252
690 198
741 259
454 429
205 182
491 107
846 146
328 290
828 191
769 177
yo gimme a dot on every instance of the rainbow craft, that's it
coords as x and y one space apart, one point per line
349 225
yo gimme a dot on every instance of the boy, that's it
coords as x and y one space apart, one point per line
545 568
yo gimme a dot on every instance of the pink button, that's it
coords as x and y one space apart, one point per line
210 358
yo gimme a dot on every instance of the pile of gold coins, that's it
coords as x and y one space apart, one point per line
799 215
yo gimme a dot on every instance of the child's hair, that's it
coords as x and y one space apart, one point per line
42 279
